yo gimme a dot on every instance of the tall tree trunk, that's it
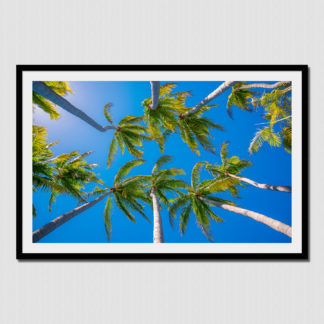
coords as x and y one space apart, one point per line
155 89
276 225
58 221
221 89
264 85
261 185
45 91
157 224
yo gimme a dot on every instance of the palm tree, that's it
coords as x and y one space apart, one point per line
199 199
162 120
67 173
195 129
239 98
125 191
160 183
232 168
170 115
47 93
231 84
128 133
277 107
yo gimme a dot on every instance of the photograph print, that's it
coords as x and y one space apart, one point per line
172 162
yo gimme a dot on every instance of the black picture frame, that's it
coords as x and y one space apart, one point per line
304 255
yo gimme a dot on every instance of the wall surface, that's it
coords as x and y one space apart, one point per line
160 32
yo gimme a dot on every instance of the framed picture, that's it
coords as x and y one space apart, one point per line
162 162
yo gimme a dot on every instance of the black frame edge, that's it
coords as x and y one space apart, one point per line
303 256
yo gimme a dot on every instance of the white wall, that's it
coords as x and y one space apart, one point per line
159 32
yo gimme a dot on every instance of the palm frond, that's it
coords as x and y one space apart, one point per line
195 174
107 112
266 134
125 169
131 147
107 218
286 138
214 185
121 204
178 202
164 159
167 88
112 151
239 98
211 213
130 120
184 217
60 87
224 151
45 105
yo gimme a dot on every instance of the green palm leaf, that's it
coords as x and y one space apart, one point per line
264 135
164 159
195 175
224 152
107 112
122 205
125 169
112 151
107 218
184 218
239 98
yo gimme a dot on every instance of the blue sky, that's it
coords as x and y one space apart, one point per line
270 165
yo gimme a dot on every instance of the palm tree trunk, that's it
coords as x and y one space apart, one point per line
221 89
45 91
264 85
261 185
155 89
157 224
276 225
58 221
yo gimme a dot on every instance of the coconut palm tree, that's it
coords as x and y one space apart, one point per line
232 168
126 192
160 183
246 99
199 199
127 133
195 129
47 93
170 115
162 119
242 98
67 173
277 107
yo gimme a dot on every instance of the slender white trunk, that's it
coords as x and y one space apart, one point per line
264 85
157 224
46 92
261 185
58 221
155 89
221 89
275 224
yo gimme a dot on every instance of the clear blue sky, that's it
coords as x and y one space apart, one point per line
270 165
